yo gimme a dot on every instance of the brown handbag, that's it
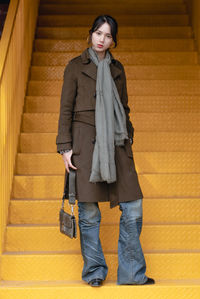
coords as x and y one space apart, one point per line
68 221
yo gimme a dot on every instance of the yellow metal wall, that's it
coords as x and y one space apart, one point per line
15 55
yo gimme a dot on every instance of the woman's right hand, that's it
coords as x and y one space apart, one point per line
67 160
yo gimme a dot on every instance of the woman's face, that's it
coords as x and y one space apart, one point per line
102 38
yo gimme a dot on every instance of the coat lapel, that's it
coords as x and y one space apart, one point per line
90 69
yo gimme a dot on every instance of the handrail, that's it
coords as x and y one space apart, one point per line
7 33
193 7
15 59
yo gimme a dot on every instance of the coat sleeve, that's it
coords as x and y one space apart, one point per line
130 127
68 95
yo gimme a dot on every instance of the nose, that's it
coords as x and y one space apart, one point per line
102 38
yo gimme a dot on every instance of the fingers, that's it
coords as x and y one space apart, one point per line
67 161
71 165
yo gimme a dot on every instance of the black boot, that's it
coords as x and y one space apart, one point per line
96 282
150 281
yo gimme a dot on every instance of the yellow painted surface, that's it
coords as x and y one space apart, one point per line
155 210
15 49
158 49
62 265
164 289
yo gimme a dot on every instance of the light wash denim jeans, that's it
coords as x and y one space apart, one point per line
131 261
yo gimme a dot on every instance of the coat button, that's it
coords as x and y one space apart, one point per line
94 140
95 95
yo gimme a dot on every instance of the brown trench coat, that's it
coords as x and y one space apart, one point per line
76 130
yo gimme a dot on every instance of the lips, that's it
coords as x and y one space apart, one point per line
100 46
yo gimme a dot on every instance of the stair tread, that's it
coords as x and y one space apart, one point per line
133 72
167 185
162 73
124 31
136 44
177 264
128 19
134 87
73 288
146 103
144 141
52 226
143 121
107 283
67 253
145 162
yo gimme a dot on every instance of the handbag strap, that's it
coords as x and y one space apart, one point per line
69 187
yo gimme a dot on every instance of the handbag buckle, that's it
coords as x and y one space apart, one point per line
72 210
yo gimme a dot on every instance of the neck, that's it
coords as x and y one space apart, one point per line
101 55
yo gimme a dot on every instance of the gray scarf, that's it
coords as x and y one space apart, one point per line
110 121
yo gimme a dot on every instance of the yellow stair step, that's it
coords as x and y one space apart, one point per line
153 185
145 162
153 238
174 121
134 87
153 2
120 8
39 73
143 141
123 20
124 32
127 58
142 44
61 265
155 210
38 104
165 289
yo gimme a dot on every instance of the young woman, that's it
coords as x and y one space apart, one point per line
95 131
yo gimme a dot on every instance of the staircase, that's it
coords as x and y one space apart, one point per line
3 13
157 47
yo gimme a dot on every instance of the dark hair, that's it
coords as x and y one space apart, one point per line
100 20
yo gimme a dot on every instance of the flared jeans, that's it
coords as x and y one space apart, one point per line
131 262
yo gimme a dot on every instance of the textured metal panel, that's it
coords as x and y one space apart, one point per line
129 8
124 32
162 76
127 58
123 20
164 289
155 211
134 87
153 2
173 121
143 141
136 103
124 45
180 72
153 185
153 238
59 266
42 73
145 162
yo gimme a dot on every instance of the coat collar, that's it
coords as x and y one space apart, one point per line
90 69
